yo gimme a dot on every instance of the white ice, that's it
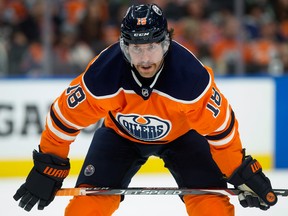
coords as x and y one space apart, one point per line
141 205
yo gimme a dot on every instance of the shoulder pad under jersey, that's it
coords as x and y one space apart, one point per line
105 75
183 77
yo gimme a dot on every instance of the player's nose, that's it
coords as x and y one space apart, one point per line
145 57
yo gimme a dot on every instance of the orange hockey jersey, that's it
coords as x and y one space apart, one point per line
182 96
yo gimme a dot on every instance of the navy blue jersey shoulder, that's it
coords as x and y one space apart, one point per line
106 74
183 76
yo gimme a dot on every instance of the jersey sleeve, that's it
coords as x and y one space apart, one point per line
73 110
213 117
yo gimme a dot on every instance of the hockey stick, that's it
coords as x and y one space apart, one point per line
153 191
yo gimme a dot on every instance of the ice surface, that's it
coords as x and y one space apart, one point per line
139 205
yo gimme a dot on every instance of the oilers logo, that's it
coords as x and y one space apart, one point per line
146 128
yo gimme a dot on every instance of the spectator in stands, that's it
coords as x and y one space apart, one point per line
14 41
281 12
32 62
252 20
17 49
32 26
73 11
264 53
70 56
227 51
206 34
186 35
92 25
22 25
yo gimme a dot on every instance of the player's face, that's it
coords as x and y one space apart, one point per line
146 58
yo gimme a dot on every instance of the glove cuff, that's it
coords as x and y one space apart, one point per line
245 171
52 166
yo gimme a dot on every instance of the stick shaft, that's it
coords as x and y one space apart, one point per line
153 191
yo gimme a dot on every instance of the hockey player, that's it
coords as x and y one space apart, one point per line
158 99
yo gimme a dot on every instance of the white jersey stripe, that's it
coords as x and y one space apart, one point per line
58 111
57 132
223 141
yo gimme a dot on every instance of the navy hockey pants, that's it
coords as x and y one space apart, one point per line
112 161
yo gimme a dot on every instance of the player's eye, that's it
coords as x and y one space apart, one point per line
136 49
152 47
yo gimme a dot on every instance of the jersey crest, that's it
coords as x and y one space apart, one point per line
146 128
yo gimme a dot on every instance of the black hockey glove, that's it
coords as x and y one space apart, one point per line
43 181
256 187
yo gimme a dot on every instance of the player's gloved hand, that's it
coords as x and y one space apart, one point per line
43 181
256 187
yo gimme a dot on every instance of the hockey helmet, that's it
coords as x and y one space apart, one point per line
143 24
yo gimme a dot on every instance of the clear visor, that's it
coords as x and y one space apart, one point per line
155 50
141 49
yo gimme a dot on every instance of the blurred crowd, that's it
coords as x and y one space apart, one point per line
59 37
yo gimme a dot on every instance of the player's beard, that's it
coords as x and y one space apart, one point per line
148 69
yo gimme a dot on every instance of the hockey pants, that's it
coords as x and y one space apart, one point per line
112 161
